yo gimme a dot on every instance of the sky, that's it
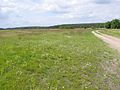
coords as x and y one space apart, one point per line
17 13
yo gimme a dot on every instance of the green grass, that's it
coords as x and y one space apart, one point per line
113 32
53 60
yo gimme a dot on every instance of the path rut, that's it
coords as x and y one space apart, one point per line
113 42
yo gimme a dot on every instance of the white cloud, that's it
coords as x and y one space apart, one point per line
47 12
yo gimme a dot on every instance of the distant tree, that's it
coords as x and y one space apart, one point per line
115 24
85 27
66 27
108 25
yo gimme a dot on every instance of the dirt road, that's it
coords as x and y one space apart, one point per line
113 42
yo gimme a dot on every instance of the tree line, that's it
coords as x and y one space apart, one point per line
114 24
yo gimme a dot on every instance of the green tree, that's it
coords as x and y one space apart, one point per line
115 24
108 25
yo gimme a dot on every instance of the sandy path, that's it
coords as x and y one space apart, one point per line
111 68
113 42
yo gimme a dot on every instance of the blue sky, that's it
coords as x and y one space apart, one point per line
15 13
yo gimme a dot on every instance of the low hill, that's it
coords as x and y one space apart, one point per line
64 26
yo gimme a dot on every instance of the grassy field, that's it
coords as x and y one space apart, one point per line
112 32
56 60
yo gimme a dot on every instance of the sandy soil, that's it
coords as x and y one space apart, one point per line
113 42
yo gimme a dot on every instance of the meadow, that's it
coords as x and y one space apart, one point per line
57 59
113 32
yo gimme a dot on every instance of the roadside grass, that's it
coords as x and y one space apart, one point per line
113 32
54 60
